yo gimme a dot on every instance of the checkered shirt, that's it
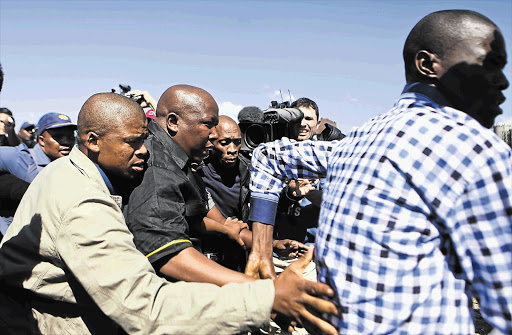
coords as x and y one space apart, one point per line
416 219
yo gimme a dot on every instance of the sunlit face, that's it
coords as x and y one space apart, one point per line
57 142
196 132
471 75
308 124
122 152
228 144
4 119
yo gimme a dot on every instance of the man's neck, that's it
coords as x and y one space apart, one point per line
429 90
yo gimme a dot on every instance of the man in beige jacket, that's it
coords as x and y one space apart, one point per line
68 264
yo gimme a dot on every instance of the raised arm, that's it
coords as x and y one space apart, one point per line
274 164
12 138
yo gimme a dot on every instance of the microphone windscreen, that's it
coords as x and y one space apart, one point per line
250 114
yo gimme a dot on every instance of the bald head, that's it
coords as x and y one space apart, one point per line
183 100
106 112
227 122
189 115
111 133
439 33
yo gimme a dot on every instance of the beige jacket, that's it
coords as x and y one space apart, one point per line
70 251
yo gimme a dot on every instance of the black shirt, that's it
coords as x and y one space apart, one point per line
169 204
225 189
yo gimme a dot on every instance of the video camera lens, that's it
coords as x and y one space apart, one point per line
255 134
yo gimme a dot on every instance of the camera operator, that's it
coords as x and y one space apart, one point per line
298 208
309 121
297 215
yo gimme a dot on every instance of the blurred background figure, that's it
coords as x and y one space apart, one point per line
27 134
7 124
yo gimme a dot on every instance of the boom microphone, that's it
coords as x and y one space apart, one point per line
250 114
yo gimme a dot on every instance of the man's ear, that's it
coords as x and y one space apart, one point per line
427 64
40 141
91 142
172 122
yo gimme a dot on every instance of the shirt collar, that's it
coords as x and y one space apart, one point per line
430 92
106 180
170 145
40 157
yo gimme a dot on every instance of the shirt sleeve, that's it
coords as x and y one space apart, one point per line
275 163
19 162
155 215
13 188
95 244
482 237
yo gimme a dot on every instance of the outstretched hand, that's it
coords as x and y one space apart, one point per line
300 299
289 248
300 187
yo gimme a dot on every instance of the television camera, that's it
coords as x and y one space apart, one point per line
279 120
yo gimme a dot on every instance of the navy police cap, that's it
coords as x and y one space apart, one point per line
53 120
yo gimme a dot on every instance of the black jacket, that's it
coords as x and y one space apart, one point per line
245 179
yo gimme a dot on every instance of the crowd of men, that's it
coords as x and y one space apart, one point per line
124 223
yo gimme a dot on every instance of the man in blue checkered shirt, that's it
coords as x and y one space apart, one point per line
416 215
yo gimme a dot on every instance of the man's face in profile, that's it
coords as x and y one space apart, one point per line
197 132
471 74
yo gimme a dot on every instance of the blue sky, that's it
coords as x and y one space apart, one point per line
345 55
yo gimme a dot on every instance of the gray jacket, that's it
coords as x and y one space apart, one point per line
68 265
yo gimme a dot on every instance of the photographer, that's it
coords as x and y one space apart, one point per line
7 134
145 100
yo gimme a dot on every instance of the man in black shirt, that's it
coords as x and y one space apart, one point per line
166 211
